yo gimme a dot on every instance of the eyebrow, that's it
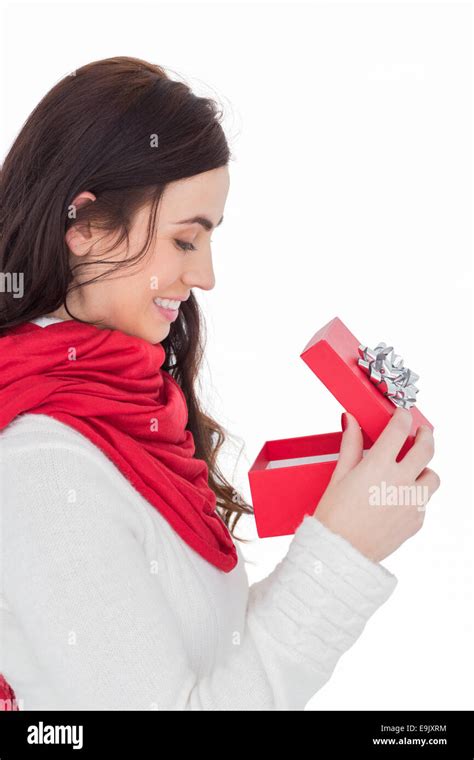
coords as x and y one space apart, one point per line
202 220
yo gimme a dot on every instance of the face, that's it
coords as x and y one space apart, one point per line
143 299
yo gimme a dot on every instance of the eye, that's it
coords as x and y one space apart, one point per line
184 245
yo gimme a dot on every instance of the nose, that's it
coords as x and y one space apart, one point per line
200 274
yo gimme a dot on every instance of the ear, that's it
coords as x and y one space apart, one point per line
78 236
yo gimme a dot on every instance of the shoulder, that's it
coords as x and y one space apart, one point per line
47 465
41 439
36 431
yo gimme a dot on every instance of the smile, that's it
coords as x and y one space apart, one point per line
167 312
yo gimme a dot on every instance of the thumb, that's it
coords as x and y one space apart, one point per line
350 452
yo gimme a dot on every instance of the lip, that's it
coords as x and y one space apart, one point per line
169 314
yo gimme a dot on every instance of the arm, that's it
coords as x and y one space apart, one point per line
102 629
312 608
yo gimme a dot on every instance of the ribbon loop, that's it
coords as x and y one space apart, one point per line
385 369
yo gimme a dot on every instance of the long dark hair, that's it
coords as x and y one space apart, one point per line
95 131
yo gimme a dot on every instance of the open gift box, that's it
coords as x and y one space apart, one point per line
289 476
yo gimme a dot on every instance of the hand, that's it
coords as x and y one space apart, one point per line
347 507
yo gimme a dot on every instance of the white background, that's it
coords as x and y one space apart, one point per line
351 195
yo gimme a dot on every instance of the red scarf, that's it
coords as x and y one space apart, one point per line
110 387
8 700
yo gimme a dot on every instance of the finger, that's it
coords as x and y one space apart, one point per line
350 452
419 454
430 478
426 484
393 436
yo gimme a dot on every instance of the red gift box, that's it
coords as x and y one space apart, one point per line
289 475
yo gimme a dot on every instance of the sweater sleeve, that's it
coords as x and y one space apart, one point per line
312 608
103 631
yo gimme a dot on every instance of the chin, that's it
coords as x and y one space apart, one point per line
151 332
151 327
154 334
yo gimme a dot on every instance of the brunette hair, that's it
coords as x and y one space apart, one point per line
95 131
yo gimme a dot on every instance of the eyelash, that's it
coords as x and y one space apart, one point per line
185 246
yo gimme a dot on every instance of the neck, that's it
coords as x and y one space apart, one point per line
60 313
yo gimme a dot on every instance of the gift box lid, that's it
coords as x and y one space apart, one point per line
333 355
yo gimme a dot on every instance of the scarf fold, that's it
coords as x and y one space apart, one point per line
111 387
8 701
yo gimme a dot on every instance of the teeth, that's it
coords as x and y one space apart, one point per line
167 303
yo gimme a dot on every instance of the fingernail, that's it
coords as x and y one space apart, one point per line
343 421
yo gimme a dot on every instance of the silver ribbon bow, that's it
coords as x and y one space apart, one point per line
389 375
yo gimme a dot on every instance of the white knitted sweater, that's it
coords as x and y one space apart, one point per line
104 607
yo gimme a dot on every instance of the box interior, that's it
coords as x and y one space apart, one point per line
310 449
273 463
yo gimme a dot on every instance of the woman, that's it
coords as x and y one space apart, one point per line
122 586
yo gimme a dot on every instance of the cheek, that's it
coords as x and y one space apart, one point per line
124 300
161 272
